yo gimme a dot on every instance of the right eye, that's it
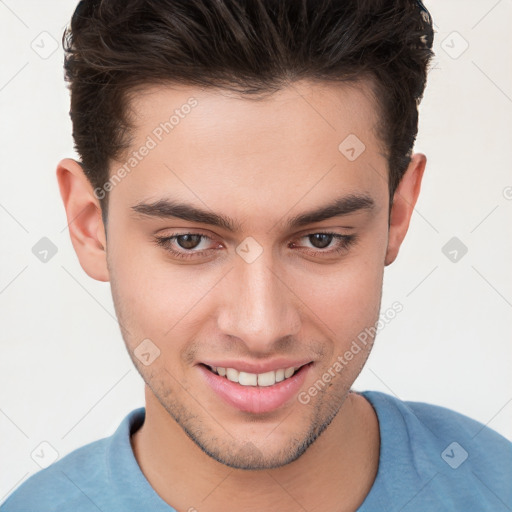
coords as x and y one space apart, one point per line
187 242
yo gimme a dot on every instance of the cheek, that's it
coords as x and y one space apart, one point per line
149 298
347 294
346 301
159 300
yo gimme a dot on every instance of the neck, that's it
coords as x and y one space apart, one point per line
335 473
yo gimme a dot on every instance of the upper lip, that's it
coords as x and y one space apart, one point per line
257 367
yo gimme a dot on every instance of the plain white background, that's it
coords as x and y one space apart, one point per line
65 376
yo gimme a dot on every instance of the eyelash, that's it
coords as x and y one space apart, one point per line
344 242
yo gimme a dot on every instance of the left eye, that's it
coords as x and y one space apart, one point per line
322 239
189 243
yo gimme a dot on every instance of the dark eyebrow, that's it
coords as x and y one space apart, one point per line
166 208
341 206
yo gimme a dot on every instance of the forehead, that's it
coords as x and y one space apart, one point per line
304 108
301 142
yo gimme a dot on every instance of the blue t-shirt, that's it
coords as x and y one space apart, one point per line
431 459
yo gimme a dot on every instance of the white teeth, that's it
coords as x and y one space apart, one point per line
232 374
252 379
247 379
267 379
289 372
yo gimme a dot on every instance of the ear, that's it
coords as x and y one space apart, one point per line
85 224
404 199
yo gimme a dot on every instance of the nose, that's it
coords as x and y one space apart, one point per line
260 307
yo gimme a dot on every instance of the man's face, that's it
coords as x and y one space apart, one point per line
267 292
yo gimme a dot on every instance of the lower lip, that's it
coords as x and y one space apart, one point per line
255 399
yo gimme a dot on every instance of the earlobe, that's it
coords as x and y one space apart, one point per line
83 212
404 200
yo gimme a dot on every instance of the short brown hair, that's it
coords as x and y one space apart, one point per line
248 46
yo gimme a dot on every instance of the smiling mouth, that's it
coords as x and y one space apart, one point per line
255 393
266 379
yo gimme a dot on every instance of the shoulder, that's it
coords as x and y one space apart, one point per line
73 482
434 421
433 424
435 416
60 485
453 455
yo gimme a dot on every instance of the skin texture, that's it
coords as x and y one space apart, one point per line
260 163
